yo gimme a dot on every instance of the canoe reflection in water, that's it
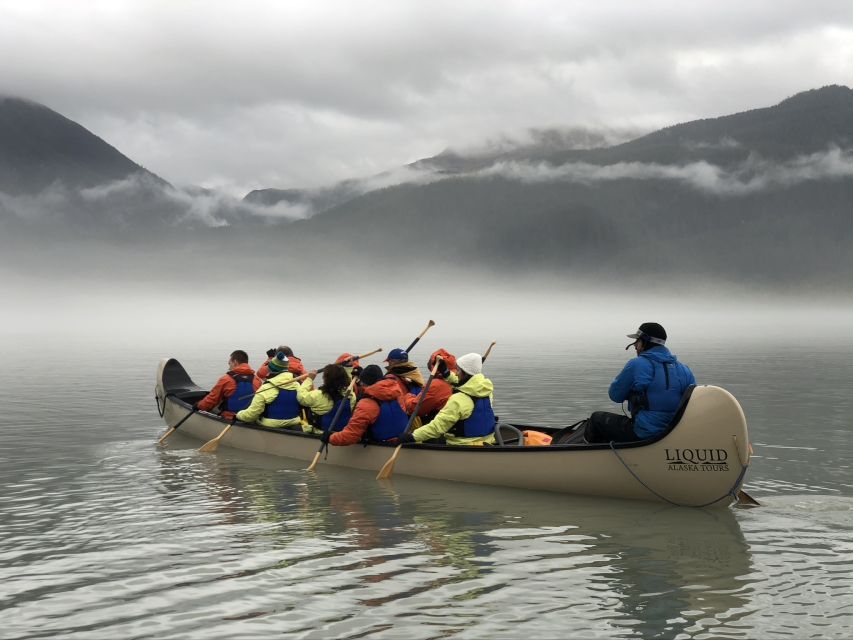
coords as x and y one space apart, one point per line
437 553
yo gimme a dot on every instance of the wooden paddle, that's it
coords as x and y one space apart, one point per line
305 375
388 468
364 355
270 382
488 351
173 429
332 424
746 500
211 445
430 324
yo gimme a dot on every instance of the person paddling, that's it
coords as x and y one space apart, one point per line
294 364
379 415
468 417
233 391
323 402
439 391
275 403
350 364
652 383
405 372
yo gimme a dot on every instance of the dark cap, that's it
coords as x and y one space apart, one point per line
370 375
650 332
397 354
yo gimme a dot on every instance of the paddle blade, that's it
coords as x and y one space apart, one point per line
166 435
212 445
388 468
746 500
314 462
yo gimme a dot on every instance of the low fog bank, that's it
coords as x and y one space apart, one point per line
138 204
366 314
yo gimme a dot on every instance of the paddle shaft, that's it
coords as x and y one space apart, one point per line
488 351
277 386
332 425
305 375
421 335
388 468
175 428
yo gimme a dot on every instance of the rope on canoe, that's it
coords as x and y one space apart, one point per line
161 409
731 492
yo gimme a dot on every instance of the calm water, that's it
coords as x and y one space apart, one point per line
103 535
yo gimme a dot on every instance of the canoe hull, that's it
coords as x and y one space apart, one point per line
701 462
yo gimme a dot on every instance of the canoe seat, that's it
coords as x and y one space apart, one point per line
507 434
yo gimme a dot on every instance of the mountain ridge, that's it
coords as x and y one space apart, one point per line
40 147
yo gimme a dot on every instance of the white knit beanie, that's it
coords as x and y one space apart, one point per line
470 363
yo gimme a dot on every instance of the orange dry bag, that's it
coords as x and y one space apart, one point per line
536 439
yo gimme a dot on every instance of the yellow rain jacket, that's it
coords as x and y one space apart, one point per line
266 394
319 403
459 407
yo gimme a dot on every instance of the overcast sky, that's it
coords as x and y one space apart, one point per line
240 95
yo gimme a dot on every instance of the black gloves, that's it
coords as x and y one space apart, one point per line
326 435
406 438
270 353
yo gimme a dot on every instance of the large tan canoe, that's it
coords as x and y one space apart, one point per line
700 462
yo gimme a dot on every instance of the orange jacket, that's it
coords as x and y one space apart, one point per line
294 366
437 396
449 360
225 388
366 412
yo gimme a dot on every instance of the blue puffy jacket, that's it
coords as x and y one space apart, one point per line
653 384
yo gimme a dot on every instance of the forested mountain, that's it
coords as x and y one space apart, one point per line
763 196
39 147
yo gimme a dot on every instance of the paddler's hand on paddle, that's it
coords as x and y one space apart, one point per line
312 374
406 438
326 436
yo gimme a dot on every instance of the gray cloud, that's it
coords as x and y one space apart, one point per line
298 94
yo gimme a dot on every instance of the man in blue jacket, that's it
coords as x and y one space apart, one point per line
652 383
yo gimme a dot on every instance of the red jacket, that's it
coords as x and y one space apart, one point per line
437 396
225 388
366 412
294 366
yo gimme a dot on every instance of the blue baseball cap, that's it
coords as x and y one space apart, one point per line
397 354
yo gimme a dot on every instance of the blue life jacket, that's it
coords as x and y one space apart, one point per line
284 407
343 419
480 423
242 396
666 388
654 406
391 423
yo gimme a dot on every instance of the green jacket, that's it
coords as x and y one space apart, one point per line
459 407
319 403
266 394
